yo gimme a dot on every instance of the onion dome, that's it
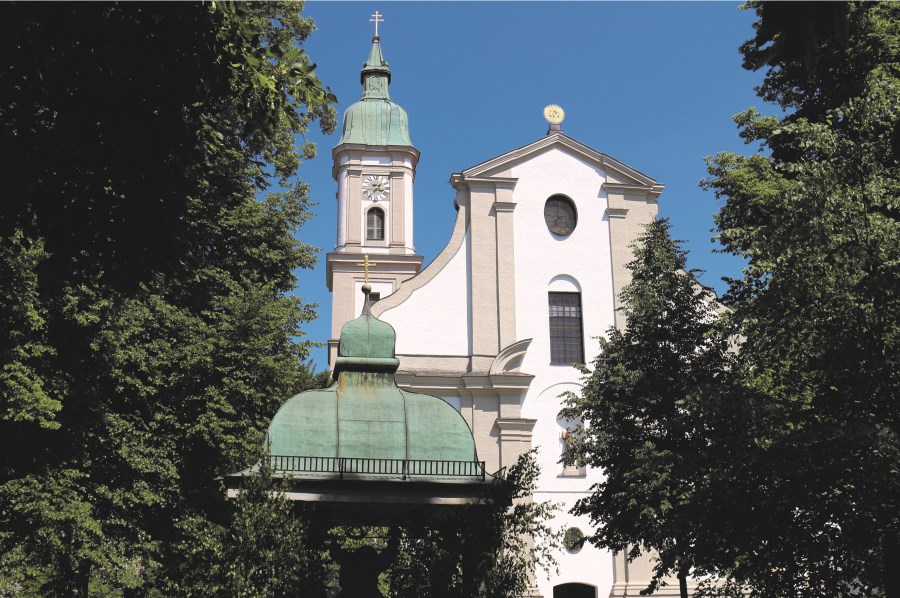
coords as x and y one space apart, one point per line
375 119
365 415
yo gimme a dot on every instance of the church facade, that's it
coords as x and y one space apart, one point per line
529 277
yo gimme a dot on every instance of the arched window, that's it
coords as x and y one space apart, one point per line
375 225
560 215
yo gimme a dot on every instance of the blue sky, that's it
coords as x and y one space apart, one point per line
653 84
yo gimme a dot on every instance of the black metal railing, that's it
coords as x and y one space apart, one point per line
400 467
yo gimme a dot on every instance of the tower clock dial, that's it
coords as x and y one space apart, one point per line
376 187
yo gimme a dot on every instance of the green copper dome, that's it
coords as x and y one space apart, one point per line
368 416
364 414
375 119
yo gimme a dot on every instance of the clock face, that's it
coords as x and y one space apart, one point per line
376 187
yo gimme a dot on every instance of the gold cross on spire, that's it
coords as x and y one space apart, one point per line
366 264
376 18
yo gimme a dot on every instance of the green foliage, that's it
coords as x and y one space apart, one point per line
504 539
23 331
809 478
147 331
796 30
644 405
262 550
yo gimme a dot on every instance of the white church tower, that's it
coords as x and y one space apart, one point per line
374 166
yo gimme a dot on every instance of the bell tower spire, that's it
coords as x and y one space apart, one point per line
376 75
374 166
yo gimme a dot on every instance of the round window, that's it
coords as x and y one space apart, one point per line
573 540
560 215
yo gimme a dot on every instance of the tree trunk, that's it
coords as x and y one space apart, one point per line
82 582
890 556
682 580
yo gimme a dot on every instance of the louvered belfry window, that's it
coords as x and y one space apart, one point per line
375 225
566 343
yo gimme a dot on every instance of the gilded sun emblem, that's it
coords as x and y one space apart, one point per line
554 114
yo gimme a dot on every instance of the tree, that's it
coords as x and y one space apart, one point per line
265 548
642 406
506 537
813 467
147 334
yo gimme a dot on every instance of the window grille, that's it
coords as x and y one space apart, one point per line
566 343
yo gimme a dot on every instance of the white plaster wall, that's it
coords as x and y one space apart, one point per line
591 565
543 405
434 319
540 255
546 262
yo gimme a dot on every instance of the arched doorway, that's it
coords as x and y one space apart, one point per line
574 590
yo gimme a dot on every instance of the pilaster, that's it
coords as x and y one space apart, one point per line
515 438
483 256
629 208
491 251
506 264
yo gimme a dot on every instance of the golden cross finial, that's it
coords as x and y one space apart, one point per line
376 18
366 264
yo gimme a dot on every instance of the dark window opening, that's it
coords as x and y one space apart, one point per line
560 215
566 345
375 225
574 590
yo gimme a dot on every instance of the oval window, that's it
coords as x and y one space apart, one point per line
573 540
560 215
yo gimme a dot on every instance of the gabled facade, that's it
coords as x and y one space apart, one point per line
529 277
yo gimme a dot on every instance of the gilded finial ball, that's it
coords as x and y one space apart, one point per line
367 288
554 114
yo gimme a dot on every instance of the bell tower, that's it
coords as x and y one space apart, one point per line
374 166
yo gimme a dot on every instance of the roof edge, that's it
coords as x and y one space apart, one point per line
561 139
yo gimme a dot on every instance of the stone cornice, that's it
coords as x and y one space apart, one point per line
343 148
651 190
360 147
387 263
455 381
462 181
504 206
516 424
